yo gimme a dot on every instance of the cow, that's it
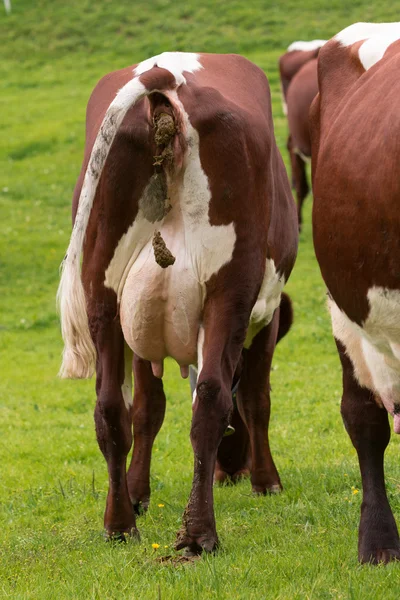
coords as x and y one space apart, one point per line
299 82
355 157
187 229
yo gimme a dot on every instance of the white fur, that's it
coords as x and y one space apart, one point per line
284 103
126 387
306 46
304 158
161 308
377 38
175 62
268 300
79 353
374 348
200 346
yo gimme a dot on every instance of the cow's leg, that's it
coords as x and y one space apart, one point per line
254 405
148 416
234 456
299 179
235 452
224 327
113 424
368 428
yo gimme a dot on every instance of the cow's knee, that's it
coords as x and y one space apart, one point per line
208 389
212 409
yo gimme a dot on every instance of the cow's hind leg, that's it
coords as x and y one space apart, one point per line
299 180
113 425
224 327
148 416
254 405
368 427
234 458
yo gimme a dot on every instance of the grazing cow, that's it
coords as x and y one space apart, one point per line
298 71
355 158
186 223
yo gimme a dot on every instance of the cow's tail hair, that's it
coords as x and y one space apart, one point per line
285 316
79 355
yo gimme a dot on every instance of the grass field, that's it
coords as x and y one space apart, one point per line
301 544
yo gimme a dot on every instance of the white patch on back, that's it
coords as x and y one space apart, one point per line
161 308
306 46
378 37
374 348
268 300
175 62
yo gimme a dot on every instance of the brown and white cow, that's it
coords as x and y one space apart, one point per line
185 219
355 130
299 81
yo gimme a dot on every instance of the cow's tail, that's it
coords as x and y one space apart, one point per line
79 356
285 316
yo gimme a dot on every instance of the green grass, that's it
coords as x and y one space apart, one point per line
299 545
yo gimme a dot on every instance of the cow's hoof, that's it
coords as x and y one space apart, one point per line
194 545
267 490
223 478
141 506
379 556
122 536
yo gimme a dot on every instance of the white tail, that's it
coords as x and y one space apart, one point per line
79 356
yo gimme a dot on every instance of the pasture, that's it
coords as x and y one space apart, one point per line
300 544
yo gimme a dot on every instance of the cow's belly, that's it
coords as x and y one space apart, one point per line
161 308
374 348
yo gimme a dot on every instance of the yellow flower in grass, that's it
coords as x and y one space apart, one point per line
155 546
355 491
160 505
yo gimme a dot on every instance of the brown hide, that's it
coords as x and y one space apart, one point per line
355 155
298 71
228 103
